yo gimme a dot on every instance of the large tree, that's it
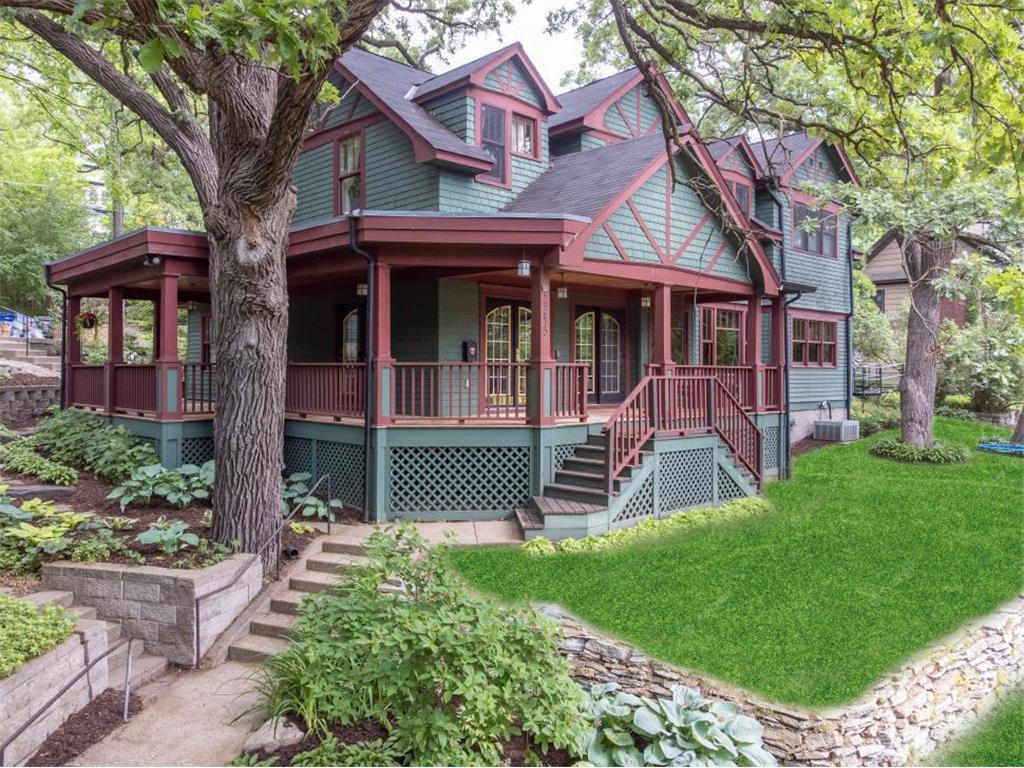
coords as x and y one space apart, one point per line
259 65
925 95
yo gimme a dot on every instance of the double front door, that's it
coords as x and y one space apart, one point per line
598 341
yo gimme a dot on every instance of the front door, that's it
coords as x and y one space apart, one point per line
506 343
598 337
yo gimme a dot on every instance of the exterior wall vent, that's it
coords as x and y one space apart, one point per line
837 431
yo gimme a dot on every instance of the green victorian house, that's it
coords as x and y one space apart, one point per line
565 323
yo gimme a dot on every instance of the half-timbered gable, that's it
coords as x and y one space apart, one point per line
633 114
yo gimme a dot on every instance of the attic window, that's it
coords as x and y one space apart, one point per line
492 139
524 136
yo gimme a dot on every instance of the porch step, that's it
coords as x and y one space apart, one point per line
333 562
588 451
576 493
256 648
529 519
274 625
585 479
549 505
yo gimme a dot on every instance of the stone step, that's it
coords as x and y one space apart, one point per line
51 597
333 562
312 581
145 667
274 625
287 601
82 611
256 648
44 492
343 546
576 493
119 658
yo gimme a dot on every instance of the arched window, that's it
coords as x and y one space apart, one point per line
506 343
350 337
585 346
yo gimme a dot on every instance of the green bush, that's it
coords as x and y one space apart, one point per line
178 487
168 536
86 441
18 456
734 510
937 453
962 402
27 631
876 415
331 752
954 412
450 675
32 531
686 729
295 491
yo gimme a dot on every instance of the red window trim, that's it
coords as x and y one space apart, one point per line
512 106
713 341
536 136
828 209
336 168
814 317
205 337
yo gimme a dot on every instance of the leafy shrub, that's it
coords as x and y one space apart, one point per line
178 487
875 416
86 441
953 412
100 546
205 553
18 456
962 402
686 729
450 675
649 528
296 487
168 535
301 529
27 631
937 453
331 752
34 530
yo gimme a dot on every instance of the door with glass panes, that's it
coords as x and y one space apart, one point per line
599 341
506 343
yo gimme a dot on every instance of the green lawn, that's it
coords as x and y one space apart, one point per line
865 562
998 740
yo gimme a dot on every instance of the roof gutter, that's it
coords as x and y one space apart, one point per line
368 378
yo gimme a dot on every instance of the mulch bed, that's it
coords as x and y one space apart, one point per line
86 727
18 586
809 444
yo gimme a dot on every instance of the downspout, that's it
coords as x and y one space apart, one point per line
368 379
784 442
64 330
849 322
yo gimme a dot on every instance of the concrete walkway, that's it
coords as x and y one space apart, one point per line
467 533
190 718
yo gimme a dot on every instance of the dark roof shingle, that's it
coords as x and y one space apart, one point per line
435 83
578 102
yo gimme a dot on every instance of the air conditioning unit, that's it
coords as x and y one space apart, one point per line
837 430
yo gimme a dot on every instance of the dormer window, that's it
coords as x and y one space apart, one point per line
742 193
350 174
524 136
492 138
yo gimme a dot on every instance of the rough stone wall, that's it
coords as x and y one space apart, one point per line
21 403
900 720
29 688
157 605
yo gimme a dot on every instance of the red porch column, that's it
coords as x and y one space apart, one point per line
662 328
72 346
539 401
156 330
753 349
779 351
383 362
168 368
115 342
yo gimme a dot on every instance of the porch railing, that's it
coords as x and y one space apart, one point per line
738 430
199 388
134 388
629 427
569 391
771 387
739 380
87 385
325 389
460 391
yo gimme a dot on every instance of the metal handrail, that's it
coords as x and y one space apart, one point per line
258 554
85 670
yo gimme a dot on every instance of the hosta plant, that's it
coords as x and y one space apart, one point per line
686 729
296 492
86 441
179 487
19 456
168 535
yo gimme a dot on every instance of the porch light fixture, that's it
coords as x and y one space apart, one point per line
645 301
561 291
151 261
361 289
523 268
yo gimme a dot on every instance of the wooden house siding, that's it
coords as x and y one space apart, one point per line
821 167
589 141
809 385
738 162
314 184
510 77
394 180
462 192
352 106
457 112
633 114
830 276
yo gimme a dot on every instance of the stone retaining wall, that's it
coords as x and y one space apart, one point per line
900 720
21 403
157 605
29 688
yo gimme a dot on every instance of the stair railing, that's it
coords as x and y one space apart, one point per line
737 429
629 427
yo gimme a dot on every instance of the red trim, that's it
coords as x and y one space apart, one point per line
661 273
829 318
615 241
512 108
690 237
714 259
535 141
715 308
361 173
328 135
658 250
183 245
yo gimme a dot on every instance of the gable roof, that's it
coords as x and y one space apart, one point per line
782 156
386 83
721 149
579 101
475 71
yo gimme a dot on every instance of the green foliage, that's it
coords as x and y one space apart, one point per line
34 530
873 337
301 529
19 456
168 535
686 729
332 752
875 415
27 631
937 453
738 509
254 760
101 545
450 675
962 402
87 442
294 492
179 487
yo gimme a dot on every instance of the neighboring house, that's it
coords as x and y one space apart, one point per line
884 266
564 328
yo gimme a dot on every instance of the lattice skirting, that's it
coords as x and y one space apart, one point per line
685 479
728 489
342 461
561 453
196 450
770 448
458 479
640 504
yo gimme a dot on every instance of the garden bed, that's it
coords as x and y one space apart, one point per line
88 726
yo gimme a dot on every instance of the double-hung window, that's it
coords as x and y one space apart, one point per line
814 342
742 194
350 174
524 138
493 139
815 231
720 336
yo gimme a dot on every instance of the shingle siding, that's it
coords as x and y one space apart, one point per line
462 192
394 180
808 386
457 112
624 118
522 85
314 183
352 106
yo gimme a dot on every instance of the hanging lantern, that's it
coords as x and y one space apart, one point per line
361 289
523 268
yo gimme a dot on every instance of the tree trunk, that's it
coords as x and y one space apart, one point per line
1018 431
248 287
925 259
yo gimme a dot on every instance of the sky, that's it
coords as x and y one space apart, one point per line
552 55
